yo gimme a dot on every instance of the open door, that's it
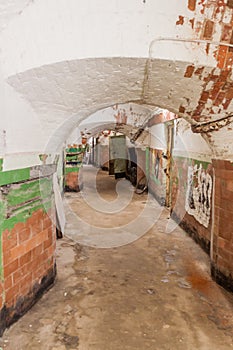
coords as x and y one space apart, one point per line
117 156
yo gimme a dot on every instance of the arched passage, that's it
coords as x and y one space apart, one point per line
58 73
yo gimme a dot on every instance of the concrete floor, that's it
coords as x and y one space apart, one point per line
154 293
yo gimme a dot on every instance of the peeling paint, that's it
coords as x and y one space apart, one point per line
198 195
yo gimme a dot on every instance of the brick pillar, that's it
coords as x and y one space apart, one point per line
222 246
28 241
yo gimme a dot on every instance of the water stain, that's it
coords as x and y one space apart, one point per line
200 283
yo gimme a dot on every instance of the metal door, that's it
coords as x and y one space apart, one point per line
117 155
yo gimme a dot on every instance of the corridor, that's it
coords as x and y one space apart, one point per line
149 291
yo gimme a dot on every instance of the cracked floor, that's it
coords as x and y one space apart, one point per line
154 293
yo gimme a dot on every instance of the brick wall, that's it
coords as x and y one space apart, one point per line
222 264
28 242
73 181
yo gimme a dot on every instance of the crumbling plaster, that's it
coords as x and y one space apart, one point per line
150 56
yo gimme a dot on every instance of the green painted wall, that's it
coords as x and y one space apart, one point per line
20 197
13 176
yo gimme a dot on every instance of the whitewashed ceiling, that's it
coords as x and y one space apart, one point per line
9 9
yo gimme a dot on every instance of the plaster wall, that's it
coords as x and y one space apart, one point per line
59 32
190 145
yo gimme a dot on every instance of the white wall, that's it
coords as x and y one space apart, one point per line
190 145
57 30
21 134
69 59
158 137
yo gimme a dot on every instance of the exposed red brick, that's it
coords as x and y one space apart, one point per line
226 103
26 268
208 29
8 282
18 275
221 57
229 60
47 222
225 73
228 165
10 268
229 93
10 240
189 71
50 251
231 39
36 228
26 284
32 220
199 109
23 235
11 295
229 184
224 266
219 98
25 259
18 227
225 231
180 21
38 273
7 257
215 90
41 237
29 245
230 3
204 96
222 243
17 252
207 48
224 174
48 242
37 250
192 5
226 33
